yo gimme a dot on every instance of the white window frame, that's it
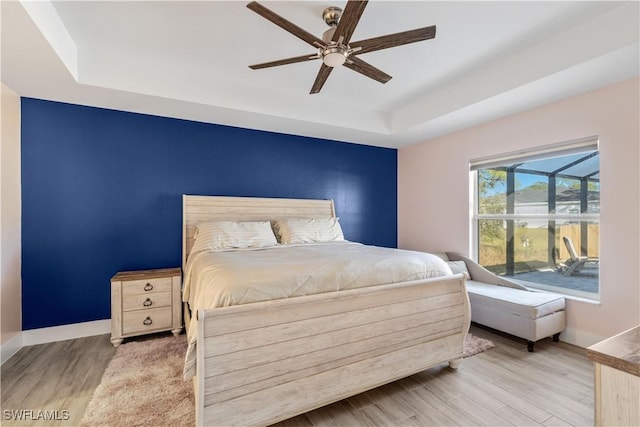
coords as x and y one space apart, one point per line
565 148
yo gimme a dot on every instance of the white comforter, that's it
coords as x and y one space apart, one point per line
219 279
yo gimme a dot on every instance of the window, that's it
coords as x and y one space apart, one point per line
536 216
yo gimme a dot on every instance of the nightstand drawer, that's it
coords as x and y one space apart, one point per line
147 301
146 320
145 286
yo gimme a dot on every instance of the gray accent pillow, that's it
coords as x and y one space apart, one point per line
458 267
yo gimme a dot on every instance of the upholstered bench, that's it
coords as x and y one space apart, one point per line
508 306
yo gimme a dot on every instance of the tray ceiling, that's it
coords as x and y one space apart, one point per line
190 60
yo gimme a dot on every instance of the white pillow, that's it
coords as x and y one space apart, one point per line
458 267
220 235
308 230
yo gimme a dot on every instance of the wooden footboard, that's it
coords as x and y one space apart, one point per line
261 363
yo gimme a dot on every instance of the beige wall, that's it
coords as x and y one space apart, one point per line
433 193
10 202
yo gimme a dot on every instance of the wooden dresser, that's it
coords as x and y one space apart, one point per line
617 379
145 301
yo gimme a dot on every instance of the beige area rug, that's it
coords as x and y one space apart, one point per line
143 385
474 345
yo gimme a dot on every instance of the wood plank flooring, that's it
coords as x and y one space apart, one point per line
504 386
59 376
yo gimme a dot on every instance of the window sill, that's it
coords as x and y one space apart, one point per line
571 294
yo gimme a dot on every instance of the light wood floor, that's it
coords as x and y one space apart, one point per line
504 386
55 376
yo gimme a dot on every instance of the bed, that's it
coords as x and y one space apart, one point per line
257 362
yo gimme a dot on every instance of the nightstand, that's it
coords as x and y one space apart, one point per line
146 301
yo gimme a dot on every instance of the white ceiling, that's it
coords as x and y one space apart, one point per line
190 60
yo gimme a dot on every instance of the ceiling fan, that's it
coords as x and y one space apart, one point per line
334 48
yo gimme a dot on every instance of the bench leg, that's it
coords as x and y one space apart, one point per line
556 337
530 346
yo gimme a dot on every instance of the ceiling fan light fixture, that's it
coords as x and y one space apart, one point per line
334 56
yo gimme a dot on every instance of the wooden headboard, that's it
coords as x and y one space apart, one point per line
198 209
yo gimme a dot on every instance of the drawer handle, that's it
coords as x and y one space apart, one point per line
147 303
148 287
147 321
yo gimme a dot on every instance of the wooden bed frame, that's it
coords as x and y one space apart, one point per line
264 362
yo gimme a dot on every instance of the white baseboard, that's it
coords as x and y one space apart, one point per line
580 338
10 347
66 332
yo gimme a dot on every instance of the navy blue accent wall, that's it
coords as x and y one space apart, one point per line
102 192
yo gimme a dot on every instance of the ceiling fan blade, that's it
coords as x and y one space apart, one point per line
285 25
284 61
348 21
362 67
393 40
322 76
